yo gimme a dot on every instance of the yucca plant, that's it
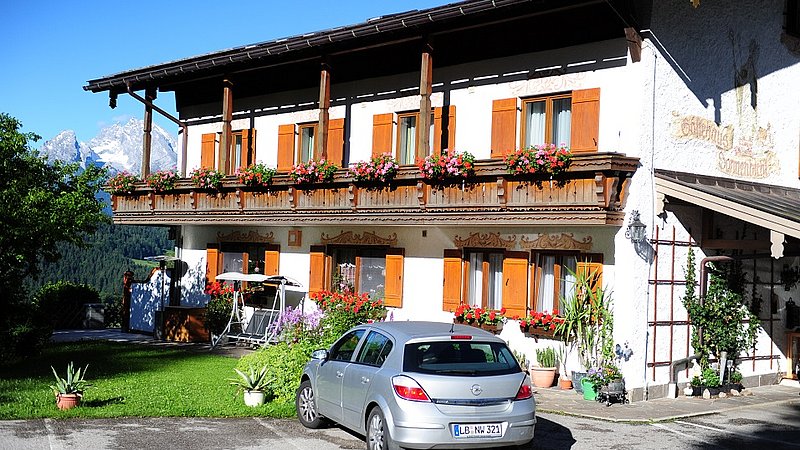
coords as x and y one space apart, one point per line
253 380
73 383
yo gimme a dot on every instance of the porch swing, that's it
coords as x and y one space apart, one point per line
260 328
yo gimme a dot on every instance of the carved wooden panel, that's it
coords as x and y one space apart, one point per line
366 238
323 199
466 194
250 236
217 201
172 202
398 197
267 200
564 241
487 240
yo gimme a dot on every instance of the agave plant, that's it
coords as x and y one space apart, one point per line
253 380
73 383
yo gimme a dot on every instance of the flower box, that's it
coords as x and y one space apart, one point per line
536 333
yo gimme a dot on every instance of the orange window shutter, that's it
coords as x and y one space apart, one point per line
515 283
285 147
393 294
336 141
213 257
382 133
316 278
591 264
272 258
504 126
207 150
248 147
585 127
451 297
451 127
444 139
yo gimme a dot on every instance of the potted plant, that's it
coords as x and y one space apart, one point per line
313 171
448 166
205 178
378 170
69 390
254 383
544 374
122 183
564 381
162 181
255 175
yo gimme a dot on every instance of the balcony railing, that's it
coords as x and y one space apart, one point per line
591 192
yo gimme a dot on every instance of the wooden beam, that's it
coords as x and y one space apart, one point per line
150 95
425 88
324 105
634 44
227 116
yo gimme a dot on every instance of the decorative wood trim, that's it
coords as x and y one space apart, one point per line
366 238
488 240
553 241
250 236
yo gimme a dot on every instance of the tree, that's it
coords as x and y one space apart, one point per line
41 205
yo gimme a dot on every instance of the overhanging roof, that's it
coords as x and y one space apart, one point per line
772 207
416 24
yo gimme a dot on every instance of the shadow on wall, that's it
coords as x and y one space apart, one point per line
147 297
193 285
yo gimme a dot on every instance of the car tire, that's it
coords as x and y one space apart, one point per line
306 406
378 437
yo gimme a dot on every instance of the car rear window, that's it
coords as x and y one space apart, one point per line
460 358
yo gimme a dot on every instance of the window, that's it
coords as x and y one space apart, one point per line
305 143
359 269
375 349
240 154
457 358
555 279
547 120
407 138
343 349
485 278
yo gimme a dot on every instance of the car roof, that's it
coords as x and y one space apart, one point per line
407 330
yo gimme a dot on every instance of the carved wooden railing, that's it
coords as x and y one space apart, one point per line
591 192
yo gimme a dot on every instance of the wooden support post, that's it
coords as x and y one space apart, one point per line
150 95
227 116
324 103
425 88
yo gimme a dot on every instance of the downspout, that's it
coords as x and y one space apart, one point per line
184 127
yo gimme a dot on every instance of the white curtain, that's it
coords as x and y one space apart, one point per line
570 266
232 262
408 140
495 281
546 283
307 143
562 118
535 123
475 278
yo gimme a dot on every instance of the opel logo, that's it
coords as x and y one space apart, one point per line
476 389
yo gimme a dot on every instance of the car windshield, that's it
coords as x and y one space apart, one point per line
459 358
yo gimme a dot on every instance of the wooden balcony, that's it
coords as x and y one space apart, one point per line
591 192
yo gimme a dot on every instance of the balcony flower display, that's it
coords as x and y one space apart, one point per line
547 159
539 321
205 178
163 180
122 183
379 169
449 165
255 175
479 316
313 171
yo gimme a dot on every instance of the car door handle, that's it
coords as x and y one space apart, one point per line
364 380
339 374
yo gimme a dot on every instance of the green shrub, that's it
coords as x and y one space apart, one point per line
112 311
23 332
61 303
218 313
284 364
709 378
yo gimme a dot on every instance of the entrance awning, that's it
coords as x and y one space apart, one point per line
772 207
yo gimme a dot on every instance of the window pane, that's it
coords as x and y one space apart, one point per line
562 119
451 358
546 289
408 140
372 278
475 279
237 151
306 144
570 265
495 281
374 350
344 348
232 262
534 123
344 269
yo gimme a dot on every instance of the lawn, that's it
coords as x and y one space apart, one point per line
129 380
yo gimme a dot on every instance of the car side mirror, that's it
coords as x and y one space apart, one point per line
321 354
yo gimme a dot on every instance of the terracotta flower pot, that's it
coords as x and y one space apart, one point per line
67 401
543 377
565 383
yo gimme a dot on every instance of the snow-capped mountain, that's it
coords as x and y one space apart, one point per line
118 147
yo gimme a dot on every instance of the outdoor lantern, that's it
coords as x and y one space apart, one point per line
636 229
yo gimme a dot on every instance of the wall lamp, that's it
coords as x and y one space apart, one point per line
636 229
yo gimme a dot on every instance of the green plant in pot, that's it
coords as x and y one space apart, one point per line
69 390
254 383
544 374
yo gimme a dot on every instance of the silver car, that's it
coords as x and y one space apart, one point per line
420 385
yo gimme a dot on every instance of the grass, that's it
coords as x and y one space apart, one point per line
129 380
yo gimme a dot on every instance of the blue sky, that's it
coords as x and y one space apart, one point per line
52 47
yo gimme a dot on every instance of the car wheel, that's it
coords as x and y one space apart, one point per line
307 407
378 437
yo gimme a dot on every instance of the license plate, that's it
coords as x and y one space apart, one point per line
477 430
